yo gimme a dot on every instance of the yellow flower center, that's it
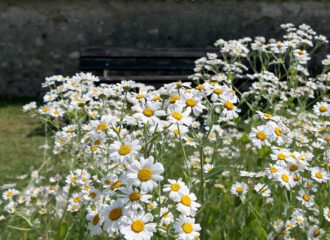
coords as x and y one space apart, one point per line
124 150
229 105
293 168
285 177
178 116
239 189
278 132
327 138
289 225
107 182
273 169
316 233
173 99
77 199
73 179
148 112
217 91
319 175
268 115
96 219
116 185
137 226
139 96
45 109
144 174
185 200
74 207
150 206
200 87
102 127
301 52
156 98
309 184
115 214
176 132
323 108
134 196
94 148
187 228
92 195
175 187
191 102
306 198
97 142
281 156
9 194
261 135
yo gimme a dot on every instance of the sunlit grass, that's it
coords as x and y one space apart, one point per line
20 138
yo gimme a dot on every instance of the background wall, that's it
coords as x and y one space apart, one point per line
43 37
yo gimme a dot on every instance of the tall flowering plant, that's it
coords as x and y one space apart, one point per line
242 151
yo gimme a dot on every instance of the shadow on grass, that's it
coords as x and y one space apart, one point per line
18 101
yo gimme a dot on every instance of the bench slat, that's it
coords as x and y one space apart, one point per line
143 53
144 64
146 79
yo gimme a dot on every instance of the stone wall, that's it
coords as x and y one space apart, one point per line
43 37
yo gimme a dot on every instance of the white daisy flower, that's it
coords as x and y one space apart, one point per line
306 199
186 228
166 215
301 55
239 189
175 188
9 194
113 216
321 109
315 233
95 221
145 173
187 204
280 155
192 100
285 178
326 213
262 135
176 114
126 150
262 189
175 130
319 174
149 112
134 198
298 217
230 111
138 226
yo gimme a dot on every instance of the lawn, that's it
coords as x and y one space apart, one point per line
20 138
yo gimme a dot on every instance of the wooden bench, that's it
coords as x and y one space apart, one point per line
150 66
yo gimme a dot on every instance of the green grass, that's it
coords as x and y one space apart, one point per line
20 138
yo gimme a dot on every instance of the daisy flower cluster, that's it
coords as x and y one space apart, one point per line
242 151
292 155
112 140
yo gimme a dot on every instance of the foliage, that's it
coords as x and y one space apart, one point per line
185 161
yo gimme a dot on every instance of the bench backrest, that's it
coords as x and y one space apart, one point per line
152 66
